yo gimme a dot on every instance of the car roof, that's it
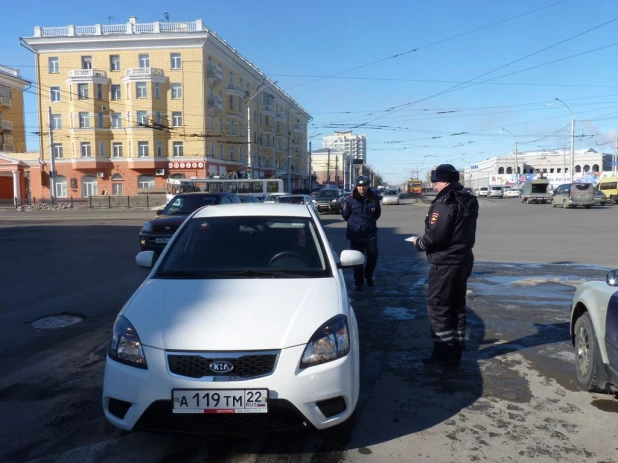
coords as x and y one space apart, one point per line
279 194
204 193
244 209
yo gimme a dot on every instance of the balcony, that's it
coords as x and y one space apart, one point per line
298 129
142 74
234 89
6 102
5 125
215 106
89 73
6 148
269 110
280 117
215 75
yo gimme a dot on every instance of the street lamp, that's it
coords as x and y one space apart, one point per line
248 99
516 164
571 167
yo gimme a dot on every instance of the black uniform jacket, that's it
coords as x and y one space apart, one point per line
362 214
450 227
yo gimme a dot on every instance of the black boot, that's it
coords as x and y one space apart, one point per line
445 354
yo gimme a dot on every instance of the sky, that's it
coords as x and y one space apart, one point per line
428 82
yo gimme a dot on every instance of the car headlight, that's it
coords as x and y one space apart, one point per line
314 201
147 227
125 346
330 342
334 201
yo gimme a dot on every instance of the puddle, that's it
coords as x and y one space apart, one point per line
400 313
517 280
606 405
551 290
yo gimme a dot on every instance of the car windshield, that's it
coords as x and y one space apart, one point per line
327 194
258 247
185 205
272 197
291 199
390 193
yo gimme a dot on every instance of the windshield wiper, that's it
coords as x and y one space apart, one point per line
183 274
256 273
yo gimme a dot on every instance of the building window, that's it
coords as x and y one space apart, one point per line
90 186
142 90
115 92
99 91
221 152
60 183
54 94
231 154
117 149
117 189
211 123
101 149
221 126
84 120
230 100
144 61
84 148
212 150
56 121
82 91
57 150
178 149
157 90
142 118
100 120
86 62
142 149
176 119
54 65
231 77
116 121
145 181
267 121
159 148
114 62
176 91
176 62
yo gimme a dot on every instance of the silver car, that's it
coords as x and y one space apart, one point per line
573 195
495 192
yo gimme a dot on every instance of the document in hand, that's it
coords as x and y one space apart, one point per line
411 238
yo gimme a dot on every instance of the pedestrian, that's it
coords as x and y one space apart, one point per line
361 211
450 233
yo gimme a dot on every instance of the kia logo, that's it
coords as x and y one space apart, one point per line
167 228
221 366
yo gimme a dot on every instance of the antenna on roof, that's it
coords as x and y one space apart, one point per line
109 19
166 15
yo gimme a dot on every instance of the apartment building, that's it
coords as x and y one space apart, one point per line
354 145
131 105
12 133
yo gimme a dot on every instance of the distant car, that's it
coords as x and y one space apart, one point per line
571 195
250 199
156 233
390 196
468 190
330 200
482 191
511 193
297 199
273 196
594 333
495 192
243 324
600 198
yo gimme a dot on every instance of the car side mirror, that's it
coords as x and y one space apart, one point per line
145 259
350 258
159 211
612 278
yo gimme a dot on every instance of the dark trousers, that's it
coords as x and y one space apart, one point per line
446 306
369 247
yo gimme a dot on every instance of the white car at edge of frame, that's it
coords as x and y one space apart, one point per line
594 333
243 324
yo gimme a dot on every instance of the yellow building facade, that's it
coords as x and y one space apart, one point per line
125 107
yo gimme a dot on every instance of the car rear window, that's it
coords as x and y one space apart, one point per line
582 186
290 199
496 188
327 194
187 204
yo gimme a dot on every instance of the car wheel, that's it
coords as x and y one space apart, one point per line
602 204
586 352
564 204
553 203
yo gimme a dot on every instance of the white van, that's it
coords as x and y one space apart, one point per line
482 191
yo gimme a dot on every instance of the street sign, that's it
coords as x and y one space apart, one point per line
474 167
357 161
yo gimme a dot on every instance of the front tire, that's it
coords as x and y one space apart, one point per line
586 353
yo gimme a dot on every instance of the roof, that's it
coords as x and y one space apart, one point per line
254 210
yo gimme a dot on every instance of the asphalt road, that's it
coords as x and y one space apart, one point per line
514 398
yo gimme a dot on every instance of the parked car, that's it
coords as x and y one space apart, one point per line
390 196
157 232
482 191
511 193
297 199
271 198
246 313
330 200
250 199
594 333
600 198
573 195
495 192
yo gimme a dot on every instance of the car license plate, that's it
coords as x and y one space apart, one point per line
162 240
220 400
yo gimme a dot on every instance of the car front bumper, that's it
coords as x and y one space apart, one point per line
153 242
390 201
148 392
328 207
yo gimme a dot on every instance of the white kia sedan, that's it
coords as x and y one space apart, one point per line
243 324
594 333
390 196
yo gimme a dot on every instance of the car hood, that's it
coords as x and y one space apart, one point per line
234 314
162 220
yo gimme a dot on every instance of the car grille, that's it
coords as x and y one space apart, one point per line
281 416
245 366
168 229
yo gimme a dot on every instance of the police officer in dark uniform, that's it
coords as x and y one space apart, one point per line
450 233
361 211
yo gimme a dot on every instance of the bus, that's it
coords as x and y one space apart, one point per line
260 188
415 187
609 186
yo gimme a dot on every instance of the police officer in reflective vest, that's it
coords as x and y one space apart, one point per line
361 211
450 233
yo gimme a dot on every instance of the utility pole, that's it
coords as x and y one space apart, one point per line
310 172
572 167
52 174
248 100
337 171
328 168
289 170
